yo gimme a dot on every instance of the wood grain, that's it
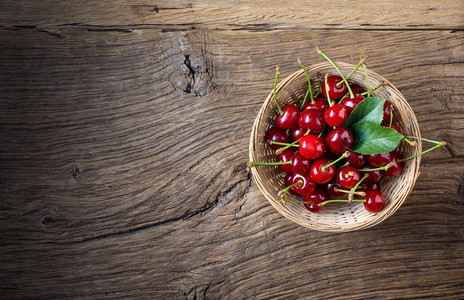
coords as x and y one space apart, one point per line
123 166
237 15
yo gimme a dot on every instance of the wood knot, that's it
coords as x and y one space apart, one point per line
76 173
47 221
198 75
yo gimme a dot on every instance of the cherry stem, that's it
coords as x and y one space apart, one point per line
359 182
437 145
293 144
349 174
344 96
284 191
374 89
391 119
411 143
386 167
336 68
327 90
361 61
426 140
353 190
341 200
320 134
285 199
344 155
362 194
370 92
252 164
275 93
284 144
309 91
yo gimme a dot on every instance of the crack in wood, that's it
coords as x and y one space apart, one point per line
189 295
199 72
206 291
194 291
461 188
163 27
187 216
448 147
125 30
222 194
55 34
190 77
192 167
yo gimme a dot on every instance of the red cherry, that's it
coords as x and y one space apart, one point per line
299 163
393 126
335 115
356 160
379 160
276 134
316 197
387 107
289 118
347 176
350 103
339 140
374 176
319 104
286 155
330 155
322 176
397 166
356 89
312 119
372 186
335 92
307 186
374 201
288 181
311 147
287 178
330 189
297 133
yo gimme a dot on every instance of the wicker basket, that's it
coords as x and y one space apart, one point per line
334 217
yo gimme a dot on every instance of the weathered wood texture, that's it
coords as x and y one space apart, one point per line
123 164
224 14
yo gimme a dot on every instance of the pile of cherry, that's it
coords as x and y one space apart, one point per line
314 143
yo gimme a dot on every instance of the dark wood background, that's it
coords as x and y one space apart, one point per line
124 138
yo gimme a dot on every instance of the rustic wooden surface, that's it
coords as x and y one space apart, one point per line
124 137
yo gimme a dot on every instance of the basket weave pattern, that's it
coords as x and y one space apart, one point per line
337 217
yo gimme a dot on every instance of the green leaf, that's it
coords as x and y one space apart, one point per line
371 138
370 109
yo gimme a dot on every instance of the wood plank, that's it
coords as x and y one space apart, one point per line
223 14
242 247
123 168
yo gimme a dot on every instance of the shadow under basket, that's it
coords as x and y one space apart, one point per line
335 217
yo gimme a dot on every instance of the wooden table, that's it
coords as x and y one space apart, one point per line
124 139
